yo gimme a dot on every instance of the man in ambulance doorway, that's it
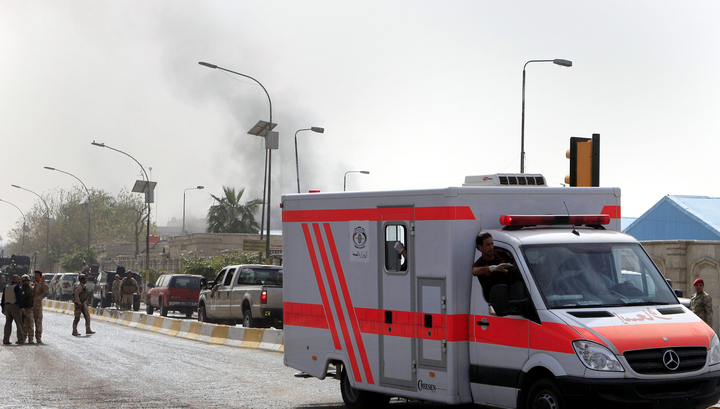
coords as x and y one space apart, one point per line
491 268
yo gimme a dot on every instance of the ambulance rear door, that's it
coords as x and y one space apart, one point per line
397 299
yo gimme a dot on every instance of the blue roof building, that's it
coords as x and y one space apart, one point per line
679 218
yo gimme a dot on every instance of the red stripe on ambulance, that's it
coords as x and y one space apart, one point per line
349 304
321 286
346 215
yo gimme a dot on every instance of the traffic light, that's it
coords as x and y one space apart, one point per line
584 155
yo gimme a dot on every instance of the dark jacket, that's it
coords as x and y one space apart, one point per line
18 296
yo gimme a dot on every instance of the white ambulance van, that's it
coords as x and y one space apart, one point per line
583 317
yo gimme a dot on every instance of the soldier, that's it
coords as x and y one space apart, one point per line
81 306
39 290
28 299
701 302
128 287
13 307
116 292
85 268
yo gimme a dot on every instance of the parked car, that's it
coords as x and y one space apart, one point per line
250 294
174 292
51 286
64 286
102 288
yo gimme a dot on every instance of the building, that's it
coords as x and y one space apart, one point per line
679 218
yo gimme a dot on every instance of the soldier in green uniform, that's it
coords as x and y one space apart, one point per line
81 306
701 302
128 287
28 299
39 290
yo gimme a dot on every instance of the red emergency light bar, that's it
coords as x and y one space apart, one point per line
554 220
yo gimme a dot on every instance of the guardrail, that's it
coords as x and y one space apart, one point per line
217 334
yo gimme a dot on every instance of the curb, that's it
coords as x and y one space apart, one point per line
214 334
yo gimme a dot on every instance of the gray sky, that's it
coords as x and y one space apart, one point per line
419 93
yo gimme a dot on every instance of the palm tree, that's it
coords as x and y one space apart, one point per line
229 216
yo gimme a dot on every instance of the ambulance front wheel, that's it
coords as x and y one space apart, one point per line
357 399
544 394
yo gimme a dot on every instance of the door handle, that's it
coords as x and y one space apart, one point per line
483 323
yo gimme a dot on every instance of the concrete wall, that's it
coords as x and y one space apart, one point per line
682 261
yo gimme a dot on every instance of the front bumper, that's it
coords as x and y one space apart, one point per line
695 392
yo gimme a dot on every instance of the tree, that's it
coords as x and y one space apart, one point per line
73 261
113 219
208 267
229 216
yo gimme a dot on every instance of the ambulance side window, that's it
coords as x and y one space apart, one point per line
395 254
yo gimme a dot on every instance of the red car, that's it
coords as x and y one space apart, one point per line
174 292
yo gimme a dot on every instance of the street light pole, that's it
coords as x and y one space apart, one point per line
147 235
47 222
190 188
89 203
268 152
365 172
22 247
557 61
297 163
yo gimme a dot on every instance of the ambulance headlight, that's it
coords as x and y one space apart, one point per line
596 357
714 355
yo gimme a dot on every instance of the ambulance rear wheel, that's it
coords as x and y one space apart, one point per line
544 394
357 399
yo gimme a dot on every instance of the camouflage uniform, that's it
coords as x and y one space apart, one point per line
701 305
39 290
28 299
81 299
129 286
117 293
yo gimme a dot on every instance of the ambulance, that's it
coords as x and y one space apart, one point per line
379 294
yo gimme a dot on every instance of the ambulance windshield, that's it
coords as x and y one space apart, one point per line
596 275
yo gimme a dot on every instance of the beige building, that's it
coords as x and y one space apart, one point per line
682 261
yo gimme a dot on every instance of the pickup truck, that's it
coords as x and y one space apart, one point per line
250 294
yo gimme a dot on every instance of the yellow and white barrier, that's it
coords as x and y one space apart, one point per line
216 334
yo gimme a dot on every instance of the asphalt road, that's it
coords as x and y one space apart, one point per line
122 367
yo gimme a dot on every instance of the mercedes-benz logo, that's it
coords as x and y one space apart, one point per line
671 360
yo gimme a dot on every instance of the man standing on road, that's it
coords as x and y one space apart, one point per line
28 299
13 308
39 290
116 292
701 302
81 306
129 287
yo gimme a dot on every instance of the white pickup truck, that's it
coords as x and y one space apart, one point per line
250 294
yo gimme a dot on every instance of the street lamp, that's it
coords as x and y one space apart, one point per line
268 151
557 61
148 199
47 217
22 247
190 188
89 203
297 164
365 172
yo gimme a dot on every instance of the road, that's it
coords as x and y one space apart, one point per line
122 367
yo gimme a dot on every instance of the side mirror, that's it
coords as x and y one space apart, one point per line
499 299
151 285
678 293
